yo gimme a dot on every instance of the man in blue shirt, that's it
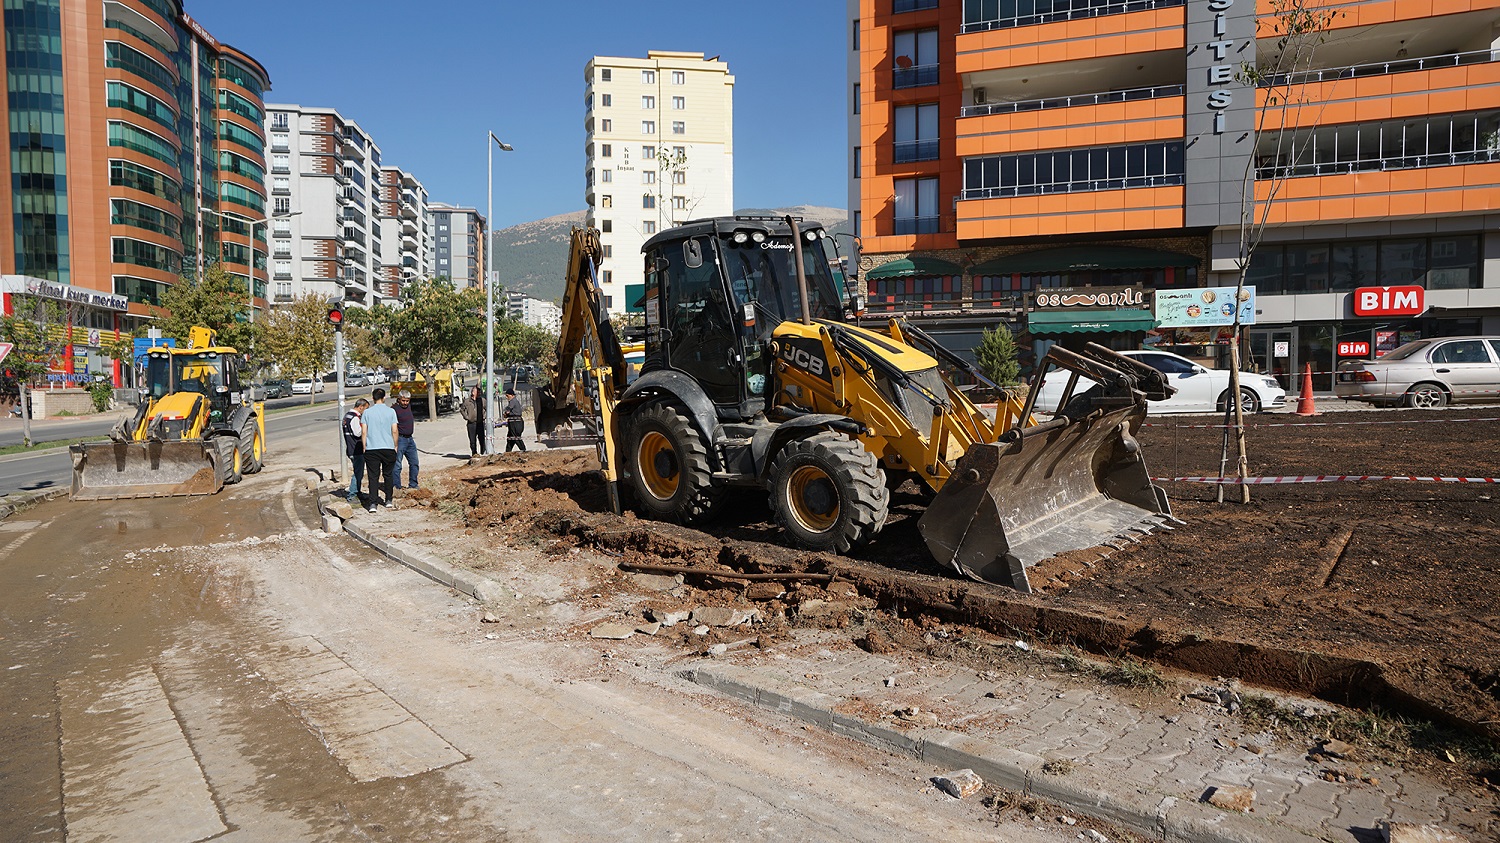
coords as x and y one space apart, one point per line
380 448
406 445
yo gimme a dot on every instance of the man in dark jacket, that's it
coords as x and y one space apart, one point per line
515 422
406 445
354 447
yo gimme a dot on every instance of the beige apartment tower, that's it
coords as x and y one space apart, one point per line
660 151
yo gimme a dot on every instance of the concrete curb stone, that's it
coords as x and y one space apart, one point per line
18 501
426 564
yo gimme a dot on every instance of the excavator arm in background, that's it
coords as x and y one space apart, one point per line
589 371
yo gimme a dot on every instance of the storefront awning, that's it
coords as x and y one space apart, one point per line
1083 258
1089 321
916 265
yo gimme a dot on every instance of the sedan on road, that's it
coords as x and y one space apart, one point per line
305 386
1426 374
1199 389
278 388
356 379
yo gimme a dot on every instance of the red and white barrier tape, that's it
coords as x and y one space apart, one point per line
1321 478
1320 424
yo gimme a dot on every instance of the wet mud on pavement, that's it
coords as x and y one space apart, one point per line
1376 595
130 631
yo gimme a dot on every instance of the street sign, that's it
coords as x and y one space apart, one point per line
5 348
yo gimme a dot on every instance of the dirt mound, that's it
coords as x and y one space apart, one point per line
1380 594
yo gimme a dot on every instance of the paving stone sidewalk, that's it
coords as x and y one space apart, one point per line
1146 767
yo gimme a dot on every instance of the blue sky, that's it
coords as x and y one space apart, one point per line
429 79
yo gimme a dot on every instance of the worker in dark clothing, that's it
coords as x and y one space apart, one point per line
515 422
473 412
406 445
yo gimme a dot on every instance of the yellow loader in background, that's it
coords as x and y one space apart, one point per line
195 430
756 375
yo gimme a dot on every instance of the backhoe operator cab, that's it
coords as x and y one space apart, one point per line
716 289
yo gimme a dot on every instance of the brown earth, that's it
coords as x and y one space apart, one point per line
1378 594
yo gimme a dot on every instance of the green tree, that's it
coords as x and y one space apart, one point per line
298 339
517 342
37 334
996 355
219 300
435 326
367 336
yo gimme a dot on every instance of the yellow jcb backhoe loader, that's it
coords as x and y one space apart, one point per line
194 431
755 376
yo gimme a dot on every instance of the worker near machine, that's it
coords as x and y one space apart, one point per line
473 412
515 422
379 423
406 446
354 446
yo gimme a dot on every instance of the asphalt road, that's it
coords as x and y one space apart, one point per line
53 467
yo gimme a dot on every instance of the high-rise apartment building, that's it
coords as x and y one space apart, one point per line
325 189
660 151
533 312
458 241
134 155
405 230
1008 148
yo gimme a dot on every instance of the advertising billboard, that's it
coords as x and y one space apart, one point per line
1203 307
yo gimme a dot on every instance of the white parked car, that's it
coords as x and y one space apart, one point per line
1199 389
305 386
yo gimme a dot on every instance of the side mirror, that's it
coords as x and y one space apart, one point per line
692 253
857 305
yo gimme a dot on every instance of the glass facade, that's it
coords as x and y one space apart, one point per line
1436 263
1074 170
38 146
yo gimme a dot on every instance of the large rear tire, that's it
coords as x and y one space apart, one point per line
828 493
670 476
252 447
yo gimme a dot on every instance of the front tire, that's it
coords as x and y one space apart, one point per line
670 476
1248 400
252 447
828 493
1427 396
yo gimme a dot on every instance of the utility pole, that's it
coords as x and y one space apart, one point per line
336 318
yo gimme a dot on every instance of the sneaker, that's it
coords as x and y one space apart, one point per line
372 508
387 505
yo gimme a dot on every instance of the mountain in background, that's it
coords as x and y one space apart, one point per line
532 257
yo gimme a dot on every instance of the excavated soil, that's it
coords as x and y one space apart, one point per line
1377 594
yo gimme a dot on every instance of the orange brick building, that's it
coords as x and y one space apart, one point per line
1004 147
135 155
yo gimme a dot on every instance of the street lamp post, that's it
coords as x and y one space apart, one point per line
489 297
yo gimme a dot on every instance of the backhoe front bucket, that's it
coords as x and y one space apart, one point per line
1063 485
110 470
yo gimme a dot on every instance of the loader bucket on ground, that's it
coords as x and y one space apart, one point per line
110 470
1070 485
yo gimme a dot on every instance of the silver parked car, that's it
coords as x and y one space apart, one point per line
1425 373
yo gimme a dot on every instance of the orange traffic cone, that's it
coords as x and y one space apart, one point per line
1305 406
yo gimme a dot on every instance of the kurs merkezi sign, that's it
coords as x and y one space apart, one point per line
1407 300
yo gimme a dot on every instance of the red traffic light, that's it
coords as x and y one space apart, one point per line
336 316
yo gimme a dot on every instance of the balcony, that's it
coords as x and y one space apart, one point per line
918 225
907 152
408 212
899 6
1032 12
339 176
281 190
283 298
915 76
409 226
281 169
1131 95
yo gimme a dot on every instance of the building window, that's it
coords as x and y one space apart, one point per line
648 201
609 251
679 103
283 269
648 103
899 6
648 227
856 158
916 58
854 36
679 177
856 224
281 163
283 290
679 127
1074 170
679 151
648 152
281 184
605 100
282 207
984 15
917 206
606 201
606 125
679 202
1438 263
679 77
604 74
606 226
856 98
606 176
280 142
648 127
916 133
648 177
278 121
605 150
648 77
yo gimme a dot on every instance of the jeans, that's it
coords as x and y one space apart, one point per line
406 448
476 436
380 461
356 473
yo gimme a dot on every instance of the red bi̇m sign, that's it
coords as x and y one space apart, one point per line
1389 301
1354 349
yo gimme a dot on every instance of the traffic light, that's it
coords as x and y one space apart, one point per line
336 316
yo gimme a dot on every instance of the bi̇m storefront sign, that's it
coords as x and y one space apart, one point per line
1088 310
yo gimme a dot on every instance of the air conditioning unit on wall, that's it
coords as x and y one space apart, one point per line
979 98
